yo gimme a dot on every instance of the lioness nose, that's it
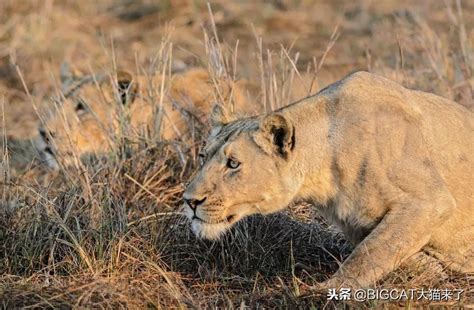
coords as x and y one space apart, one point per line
194 203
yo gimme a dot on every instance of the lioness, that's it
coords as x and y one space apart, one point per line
391 167
94 110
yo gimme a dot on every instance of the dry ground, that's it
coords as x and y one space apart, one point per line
110 235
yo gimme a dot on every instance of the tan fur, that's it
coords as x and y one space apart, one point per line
70 132
391 167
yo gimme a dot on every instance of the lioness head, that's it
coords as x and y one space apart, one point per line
246 168
87 114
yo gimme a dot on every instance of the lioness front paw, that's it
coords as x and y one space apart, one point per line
311 291
321 288
336 283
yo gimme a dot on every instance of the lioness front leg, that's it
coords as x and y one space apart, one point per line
403 231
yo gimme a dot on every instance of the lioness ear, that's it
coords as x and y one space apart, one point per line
276 134
127 87
220 116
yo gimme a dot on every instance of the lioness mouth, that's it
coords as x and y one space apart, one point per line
228 219
206 222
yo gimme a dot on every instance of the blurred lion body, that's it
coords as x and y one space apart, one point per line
96 111
391 167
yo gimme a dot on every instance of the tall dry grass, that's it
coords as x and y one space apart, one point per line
108 233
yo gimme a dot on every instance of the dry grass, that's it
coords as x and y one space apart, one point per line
108 233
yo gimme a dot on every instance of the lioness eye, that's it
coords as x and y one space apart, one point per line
232 164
